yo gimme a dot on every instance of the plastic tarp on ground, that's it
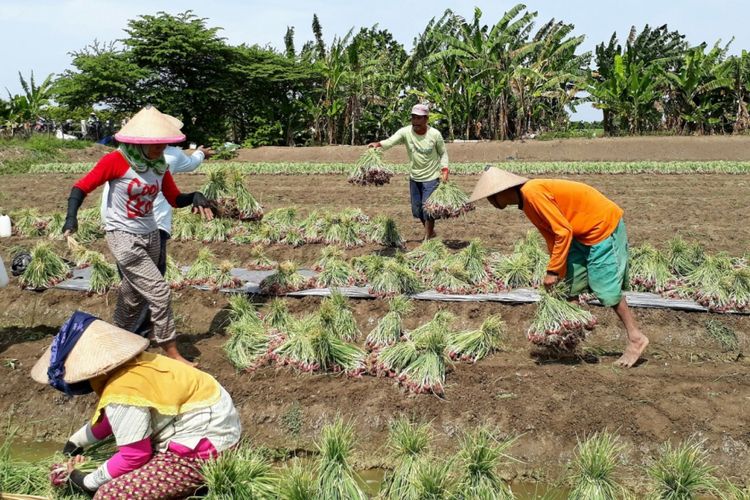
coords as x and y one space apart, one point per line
251 279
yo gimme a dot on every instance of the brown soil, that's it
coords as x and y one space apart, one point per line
687 384
602 149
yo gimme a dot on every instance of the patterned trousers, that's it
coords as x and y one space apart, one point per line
166 476
137 256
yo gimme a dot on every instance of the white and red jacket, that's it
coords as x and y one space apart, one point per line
131 197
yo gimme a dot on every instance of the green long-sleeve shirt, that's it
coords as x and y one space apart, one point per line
427 153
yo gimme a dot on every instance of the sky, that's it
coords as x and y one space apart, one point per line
38 35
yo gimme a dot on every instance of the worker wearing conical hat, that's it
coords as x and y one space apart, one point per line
167 418
137 173
585 236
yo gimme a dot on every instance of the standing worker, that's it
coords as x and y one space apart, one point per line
177 162
428 162
585 236
137 173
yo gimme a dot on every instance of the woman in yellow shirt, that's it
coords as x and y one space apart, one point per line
585 236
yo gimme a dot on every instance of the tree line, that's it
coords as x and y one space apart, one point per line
498 81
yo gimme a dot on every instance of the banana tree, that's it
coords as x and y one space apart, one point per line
629 94
696 86
737 68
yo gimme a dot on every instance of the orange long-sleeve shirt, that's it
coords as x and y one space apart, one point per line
566 210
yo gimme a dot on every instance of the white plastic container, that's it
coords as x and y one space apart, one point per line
3 274
4 226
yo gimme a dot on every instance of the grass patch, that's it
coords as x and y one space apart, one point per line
19 156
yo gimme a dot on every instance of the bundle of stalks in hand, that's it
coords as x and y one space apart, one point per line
239 473
103 274
407 443
383 231
286 279
336 477
649 270
310 345
478 462
389 329
684 257
258 260
233 200
395 278
278 316
558 323
337 316
370 169
45 270
429 254
247 347
447 201
173 275
474 345
81 255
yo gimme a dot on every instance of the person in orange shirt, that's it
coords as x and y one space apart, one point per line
585 235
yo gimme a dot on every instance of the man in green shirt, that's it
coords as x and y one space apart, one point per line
428 162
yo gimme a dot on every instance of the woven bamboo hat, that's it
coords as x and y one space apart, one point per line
493 181
151 126
101 348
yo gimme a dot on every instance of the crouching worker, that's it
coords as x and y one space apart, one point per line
166 417
585 237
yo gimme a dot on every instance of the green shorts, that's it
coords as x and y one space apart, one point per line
601 268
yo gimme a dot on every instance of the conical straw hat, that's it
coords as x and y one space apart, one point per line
150 126
494 180
101 348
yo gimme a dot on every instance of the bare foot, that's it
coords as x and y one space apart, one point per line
430 236
632 353
179 357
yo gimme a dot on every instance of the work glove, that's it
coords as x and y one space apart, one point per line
76 480
71 449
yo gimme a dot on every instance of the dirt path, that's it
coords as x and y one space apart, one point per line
602 149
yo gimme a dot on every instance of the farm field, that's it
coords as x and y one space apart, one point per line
687 385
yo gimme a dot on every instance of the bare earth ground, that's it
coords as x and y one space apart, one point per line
687 384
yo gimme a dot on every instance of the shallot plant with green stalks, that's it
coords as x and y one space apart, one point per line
448 200
559 323
370 170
